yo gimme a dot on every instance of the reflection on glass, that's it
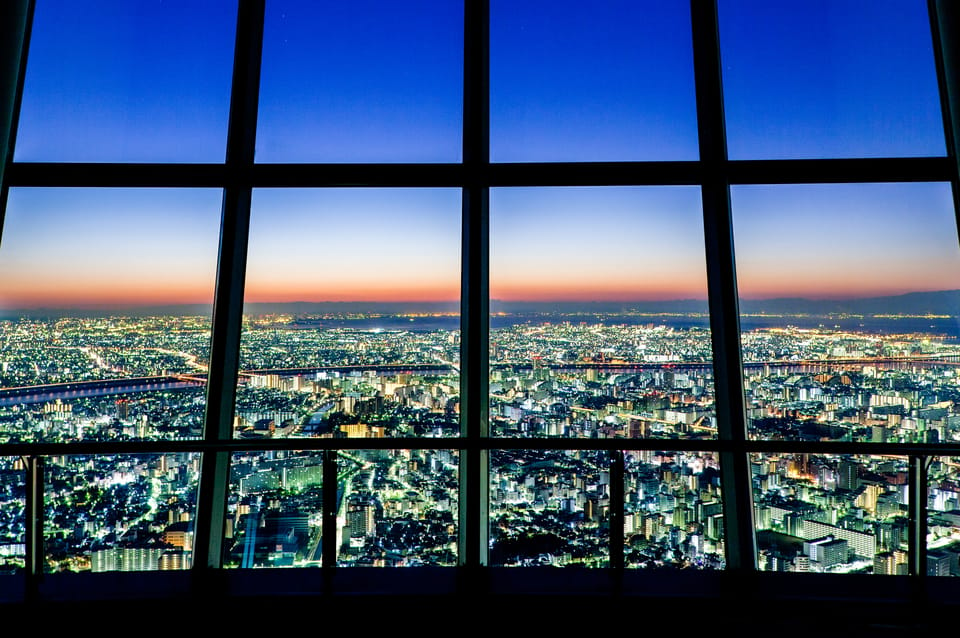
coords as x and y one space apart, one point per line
383 81
105 302
831 513
829 79
599 335
550 508
275 510
351 324
943 516
119 81
397 508
13 503
673 510
849 311
604 81
120 512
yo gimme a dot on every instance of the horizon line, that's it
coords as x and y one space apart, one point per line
122 306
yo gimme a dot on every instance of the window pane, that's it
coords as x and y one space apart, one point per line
361 81
351 324
550 508
13 503
105 302
603 81
120 512
830 513
837 78
397 508
673 510
849 311
599 333
943 524
275 510
119 81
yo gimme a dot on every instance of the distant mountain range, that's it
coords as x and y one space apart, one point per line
942 302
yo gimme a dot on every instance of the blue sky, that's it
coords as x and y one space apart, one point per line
829 78
844 240
597 81
126 81
374 81
381 81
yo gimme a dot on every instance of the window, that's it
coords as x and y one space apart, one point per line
462 296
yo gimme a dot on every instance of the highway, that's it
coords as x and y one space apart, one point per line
105 387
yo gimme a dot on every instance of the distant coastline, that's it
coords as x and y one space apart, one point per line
943 303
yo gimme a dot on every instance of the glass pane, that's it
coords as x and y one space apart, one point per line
829 79
849 311
673 510
943 516
397 508
599 81
275 510
605 334
119 81
13 503
351 324
120 512
830 513
361 81
105 303
550 508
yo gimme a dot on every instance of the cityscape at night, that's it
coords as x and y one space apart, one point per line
623 309
624 376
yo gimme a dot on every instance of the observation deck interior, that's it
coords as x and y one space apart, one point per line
741 597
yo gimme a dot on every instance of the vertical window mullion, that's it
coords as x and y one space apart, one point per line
944 25
16 18
739 537
15 21
329 541
474 306
34 521
617 480
917 514
228 300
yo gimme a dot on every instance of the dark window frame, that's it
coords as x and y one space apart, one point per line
475 175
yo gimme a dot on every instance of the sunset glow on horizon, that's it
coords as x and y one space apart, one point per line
101 248
119 82
88 248
835 241
354 244
596 244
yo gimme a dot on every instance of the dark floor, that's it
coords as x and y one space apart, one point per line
496 602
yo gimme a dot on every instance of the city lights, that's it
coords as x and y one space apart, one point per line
478 289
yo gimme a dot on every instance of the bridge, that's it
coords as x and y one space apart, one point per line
380 368
798 365
101 387
105 387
